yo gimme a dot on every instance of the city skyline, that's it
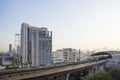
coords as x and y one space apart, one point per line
88 24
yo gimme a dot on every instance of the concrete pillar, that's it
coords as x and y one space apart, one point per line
101 67
94 69
90 71
67 76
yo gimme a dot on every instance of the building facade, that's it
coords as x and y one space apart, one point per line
66 55
69 55
5 59
57 56
36 45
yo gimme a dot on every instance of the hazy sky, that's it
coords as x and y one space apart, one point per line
84 24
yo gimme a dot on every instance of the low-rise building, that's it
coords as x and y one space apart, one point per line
5 59
65 55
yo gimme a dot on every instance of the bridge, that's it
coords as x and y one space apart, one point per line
70 71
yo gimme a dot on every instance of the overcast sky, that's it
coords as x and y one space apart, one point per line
80 24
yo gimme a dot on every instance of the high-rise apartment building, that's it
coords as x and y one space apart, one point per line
36 45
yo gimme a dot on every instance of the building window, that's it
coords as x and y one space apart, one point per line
43 33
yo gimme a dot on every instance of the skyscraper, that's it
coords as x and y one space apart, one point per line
10 50
36 45
10 47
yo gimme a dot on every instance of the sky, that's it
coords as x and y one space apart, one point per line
79 24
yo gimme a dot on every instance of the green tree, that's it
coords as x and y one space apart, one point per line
98 76
108 69
115 73
109 74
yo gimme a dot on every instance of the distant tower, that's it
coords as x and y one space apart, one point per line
16 42
10 49
18 49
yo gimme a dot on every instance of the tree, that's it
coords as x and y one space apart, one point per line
98 76
109 74
115 73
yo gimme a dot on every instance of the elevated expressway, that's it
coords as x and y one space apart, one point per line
50 72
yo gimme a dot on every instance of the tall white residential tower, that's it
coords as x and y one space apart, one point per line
36 45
